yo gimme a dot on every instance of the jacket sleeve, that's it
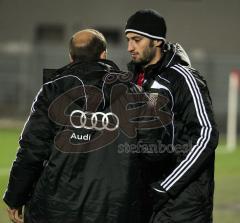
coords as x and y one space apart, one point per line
197 135
35 142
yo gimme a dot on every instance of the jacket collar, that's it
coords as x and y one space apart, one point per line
50 74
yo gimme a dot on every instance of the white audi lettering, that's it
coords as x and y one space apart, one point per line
86 137
98 120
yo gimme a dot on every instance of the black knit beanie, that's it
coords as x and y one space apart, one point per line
147 23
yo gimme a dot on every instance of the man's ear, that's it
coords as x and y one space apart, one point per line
158 43
103 55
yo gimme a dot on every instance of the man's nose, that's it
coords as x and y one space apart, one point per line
130 47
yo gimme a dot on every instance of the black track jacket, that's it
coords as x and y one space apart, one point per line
184 190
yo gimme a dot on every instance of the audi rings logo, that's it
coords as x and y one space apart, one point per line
96 120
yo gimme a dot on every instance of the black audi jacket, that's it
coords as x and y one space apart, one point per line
184 190
78 160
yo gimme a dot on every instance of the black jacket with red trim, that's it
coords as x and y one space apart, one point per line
187 183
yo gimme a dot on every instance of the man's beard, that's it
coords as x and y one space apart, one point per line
148 54
141 63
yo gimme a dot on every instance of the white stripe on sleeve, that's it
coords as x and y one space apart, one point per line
205 132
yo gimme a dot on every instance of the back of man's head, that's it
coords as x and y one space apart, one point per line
87 45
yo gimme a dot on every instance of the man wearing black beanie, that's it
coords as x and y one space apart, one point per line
182 185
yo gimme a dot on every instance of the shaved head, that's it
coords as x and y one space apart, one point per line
87 44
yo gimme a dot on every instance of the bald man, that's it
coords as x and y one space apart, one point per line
87 45
71 165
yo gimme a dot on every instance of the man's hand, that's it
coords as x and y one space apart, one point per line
15 215
158 195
